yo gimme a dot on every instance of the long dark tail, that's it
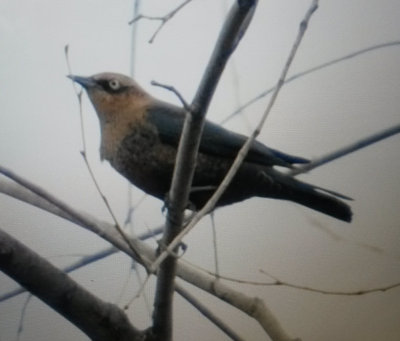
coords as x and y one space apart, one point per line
322 202
312 197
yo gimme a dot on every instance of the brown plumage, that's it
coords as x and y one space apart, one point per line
140 134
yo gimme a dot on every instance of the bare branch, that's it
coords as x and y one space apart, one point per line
384 134
232 31
252 306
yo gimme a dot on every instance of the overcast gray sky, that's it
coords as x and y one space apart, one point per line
40 139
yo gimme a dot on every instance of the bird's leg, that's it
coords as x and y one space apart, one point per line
190 206
273 185
166 204
195 189
265 177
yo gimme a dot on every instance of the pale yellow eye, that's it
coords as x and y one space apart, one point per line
114 84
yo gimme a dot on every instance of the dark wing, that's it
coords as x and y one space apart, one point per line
215 140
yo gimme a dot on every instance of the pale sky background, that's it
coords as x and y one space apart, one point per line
40 139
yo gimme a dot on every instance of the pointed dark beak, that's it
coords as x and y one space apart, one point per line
86 82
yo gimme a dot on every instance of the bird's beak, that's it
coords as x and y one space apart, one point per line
86 82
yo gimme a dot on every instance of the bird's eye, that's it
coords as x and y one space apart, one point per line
114 84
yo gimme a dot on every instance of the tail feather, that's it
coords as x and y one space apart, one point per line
323 203
312 197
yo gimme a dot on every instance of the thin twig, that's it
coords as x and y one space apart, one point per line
136 9
164 19
215 244
208 313
78 94
309 71
384 134
22 318
278 282
185 104
354 242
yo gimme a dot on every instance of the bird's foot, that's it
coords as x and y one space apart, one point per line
181 246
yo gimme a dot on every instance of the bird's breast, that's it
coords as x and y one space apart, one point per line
144 160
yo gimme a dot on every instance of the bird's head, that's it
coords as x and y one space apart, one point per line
119 103
112 93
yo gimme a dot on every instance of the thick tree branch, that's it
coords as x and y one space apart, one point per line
99 320
252 306
232 31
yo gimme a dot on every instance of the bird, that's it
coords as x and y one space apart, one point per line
140 135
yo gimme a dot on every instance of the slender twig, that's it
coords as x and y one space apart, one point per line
78 94
215 244
163 20
136 9
208 207
208 313
309 71
185 104
22 318
384 134
278 282
339 238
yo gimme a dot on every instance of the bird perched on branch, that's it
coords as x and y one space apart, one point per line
140 135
